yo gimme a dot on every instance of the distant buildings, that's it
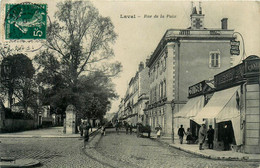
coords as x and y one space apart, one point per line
132 105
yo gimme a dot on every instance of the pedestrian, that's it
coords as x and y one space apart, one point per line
126 128
117 127
159 131
189 138
210 133
227 137
81 128
103 130
131 128
202 135
86 127
181 133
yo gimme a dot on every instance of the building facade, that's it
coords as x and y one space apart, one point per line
184 57
132 106
234 107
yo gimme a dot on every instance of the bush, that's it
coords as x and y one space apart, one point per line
16 115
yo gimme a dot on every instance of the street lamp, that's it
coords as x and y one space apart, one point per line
173 106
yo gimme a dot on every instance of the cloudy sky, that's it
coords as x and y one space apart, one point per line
139 36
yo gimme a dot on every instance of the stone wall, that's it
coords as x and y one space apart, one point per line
252 137
13 125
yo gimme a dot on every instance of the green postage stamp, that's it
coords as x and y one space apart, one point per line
25 21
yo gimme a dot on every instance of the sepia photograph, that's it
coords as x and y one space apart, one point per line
130 83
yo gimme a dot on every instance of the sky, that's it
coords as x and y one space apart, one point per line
139 36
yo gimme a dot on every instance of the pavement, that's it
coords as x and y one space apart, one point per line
207 153
57 132
46 133
51 132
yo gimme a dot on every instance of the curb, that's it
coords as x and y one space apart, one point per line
209 156
44 136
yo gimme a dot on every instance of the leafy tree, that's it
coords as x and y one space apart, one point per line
98 93
78 44
17 73
81 41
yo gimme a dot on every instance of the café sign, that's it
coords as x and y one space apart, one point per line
230 77
252 67
196 89
234 50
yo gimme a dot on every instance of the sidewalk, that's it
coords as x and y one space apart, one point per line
52 132
207 153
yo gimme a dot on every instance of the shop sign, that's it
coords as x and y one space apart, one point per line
234 50
230 77
252 67
196 89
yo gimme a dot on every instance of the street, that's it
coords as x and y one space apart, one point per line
112 150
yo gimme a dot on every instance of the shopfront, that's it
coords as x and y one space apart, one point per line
233 110
199 94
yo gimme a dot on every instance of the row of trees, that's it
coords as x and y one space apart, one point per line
73 68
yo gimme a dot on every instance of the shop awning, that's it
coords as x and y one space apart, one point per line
191 108
218 106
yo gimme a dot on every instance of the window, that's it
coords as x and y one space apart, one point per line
165 59
155 94
161 96
164 87
214 59
157 68
159 91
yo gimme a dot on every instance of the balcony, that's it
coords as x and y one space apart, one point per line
198 33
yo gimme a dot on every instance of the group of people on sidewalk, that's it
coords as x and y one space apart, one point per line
203 133
128 127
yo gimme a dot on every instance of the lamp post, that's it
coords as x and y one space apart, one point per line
173 106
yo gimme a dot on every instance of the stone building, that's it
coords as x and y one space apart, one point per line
234 104
184 57
136 96
121 115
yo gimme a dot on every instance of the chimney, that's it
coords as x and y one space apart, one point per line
224 23
141 66
200 10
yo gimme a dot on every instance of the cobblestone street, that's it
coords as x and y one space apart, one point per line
143 152
111 150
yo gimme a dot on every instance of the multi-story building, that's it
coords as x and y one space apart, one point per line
182 58
121 114
136 95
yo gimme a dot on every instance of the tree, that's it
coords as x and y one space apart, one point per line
17 73
98 91
78 41
92 98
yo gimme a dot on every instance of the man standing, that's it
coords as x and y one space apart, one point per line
210 136
227 138
202 135
181 133
131 128
86 127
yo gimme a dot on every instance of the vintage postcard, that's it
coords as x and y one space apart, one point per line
128 83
